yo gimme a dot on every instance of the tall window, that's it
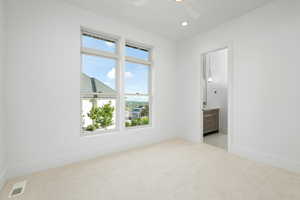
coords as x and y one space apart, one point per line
137 86
98 82
100 78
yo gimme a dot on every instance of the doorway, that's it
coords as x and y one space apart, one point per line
215 90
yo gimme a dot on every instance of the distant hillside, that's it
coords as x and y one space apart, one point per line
133 104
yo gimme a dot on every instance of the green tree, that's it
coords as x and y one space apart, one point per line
145 120
145 111
94 114
136 122
106 115
91 127
127 124
101 116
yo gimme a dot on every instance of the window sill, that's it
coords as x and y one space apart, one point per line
113 131
138 127
98 132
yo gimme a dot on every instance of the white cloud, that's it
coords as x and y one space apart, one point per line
106 83
128 75
112 73
110 44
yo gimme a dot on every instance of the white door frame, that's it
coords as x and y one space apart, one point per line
230 73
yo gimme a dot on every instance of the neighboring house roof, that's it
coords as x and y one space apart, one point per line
93 85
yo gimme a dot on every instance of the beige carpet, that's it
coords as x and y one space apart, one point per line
173 170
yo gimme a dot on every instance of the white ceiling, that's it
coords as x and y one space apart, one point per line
164 16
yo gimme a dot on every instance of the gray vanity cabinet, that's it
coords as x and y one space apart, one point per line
210 121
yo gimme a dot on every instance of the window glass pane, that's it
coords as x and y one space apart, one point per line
137 53
98 114
136 78
98 75
137 111
98 44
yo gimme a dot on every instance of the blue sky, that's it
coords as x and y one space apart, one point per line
104 69
99 68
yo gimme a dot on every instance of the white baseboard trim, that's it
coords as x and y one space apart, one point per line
2 178
224 131
269 159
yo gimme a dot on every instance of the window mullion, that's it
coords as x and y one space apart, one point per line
122 61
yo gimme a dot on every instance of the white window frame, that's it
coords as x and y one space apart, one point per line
148 63
116 56
121 59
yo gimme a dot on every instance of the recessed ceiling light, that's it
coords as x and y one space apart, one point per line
185 23
179 0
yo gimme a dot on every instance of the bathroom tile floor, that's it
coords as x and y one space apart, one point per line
217 140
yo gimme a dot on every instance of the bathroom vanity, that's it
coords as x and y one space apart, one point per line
211 120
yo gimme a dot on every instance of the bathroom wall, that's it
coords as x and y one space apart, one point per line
217 89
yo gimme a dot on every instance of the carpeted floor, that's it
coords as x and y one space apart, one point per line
172 170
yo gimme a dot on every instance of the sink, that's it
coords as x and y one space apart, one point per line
213 108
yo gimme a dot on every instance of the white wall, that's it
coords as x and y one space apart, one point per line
266 70
217 89
2 143
43 82
43 87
